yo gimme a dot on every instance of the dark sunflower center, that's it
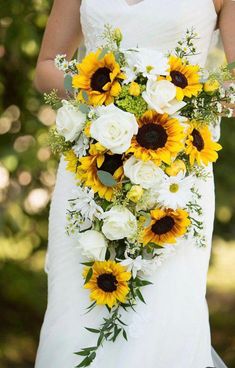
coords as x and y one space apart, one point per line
107 282
151 136
197 140
100 78
163 226
111 163
178 79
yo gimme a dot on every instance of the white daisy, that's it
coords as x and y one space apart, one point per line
175 192
148 62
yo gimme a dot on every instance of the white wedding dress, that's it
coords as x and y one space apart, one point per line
172 329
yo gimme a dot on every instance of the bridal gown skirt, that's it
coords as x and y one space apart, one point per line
170 331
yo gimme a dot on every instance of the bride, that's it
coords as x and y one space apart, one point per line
172 329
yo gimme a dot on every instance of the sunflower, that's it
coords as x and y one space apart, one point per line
108 283
185 77
72 161
158 139
99 77
199 145
100 159
166 226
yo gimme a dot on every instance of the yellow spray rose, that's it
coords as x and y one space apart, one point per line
134 89
175 168
211 86
135 193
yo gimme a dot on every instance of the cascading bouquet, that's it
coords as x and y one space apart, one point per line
136 130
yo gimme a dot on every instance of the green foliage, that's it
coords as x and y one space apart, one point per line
132 104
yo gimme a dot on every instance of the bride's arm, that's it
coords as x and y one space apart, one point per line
226 23
62 36
227 28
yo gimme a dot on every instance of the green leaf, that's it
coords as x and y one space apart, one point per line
91 305
84 363
116 333
89 275
120 321
87 263
147 221
231 65
107 254
86 351
82 353
93 330
84 108
140 282
68 83
100 339
85 95
93 355
155 246
90 348
106 178
117 56
103 53
124 335
140 296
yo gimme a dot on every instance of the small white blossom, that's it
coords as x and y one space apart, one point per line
133 265
219 107
232 86
232 98
59 61
85 208
81 146
222 92
230 113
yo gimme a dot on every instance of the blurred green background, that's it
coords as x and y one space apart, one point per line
27 176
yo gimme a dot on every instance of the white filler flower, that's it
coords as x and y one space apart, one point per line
161 96
175 192
92 244
86 207
133 265
119 223
144 173
69 122
114 128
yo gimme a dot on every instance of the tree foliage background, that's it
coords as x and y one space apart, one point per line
27 177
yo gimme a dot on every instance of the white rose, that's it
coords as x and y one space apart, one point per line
144 173
69 122
161 96
119 223
92 244
114 128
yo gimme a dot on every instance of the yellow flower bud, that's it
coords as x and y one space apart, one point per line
135 193
87 129
211 86
118 35
175 168
134 89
